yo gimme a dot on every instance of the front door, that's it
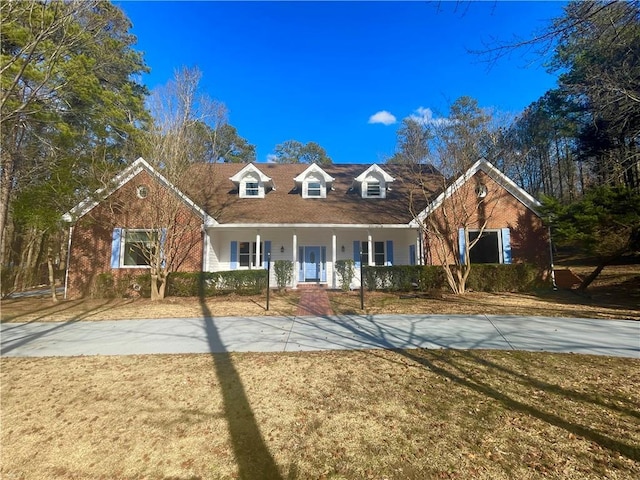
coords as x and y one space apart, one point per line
312 262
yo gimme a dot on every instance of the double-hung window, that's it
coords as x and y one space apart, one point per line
252 189
314 189
378 253
247 254
382 253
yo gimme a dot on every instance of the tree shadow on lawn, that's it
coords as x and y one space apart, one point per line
250 450
465 377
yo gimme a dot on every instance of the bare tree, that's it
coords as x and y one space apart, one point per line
456 219
186 122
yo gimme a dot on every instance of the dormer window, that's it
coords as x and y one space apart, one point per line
252 188
374 182
314 189
314 182
251 182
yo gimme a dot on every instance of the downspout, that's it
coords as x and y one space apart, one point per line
66 270
205 248
553 273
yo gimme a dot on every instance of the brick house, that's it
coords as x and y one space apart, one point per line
232 216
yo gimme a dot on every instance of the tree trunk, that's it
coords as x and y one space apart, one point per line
6 184
591 277
158 286
52 276
26 260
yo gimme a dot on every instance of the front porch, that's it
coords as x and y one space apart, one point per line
313 250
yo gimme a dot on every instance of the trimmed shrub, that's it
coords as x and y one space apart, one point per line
284 272
104 286
403 278
483 277
207 284
518 277
345 271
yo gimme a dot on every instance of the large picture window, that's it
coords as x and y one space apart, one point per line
139 247
135 247
493 246
487 249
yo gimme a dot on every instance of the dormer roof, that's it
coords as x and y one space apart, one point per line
374 169
313 168
252 169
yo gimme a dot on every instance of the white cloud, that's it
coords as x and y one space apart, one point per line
424 116
271 158
383 117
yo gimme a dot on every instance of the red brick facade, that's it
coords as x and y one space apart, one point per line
97 244
92 236
500 209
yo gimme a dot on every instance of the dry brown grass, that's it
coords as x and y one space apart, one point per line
615 294
43 310
415 414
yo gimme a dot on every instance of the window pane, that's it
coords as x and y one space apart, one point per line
252 189
486 250
378 249
138 247
314 189
245 254
365 250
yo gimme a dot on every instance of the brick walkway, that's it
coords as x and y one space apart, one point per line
314 301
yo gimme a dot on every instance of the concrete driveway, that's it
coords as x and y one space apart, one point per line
289 334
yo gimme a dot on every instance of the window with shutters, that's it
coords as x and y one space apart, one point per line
379 253
488 247
138 247
247 254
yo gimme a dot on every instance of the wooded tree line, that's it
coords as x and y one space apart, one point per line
581 134
577 148
74 112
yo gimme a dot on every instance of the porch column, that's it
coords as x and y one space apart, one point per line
334 279
205 250
418 249
258 263
370 252
295 259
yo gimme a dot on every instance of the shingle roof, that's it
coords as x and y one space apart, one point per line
211 188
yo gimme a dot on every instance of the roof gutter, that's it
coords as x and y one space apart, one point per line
314 225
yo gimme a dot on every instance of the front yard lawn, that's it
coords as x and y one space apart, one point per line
416 414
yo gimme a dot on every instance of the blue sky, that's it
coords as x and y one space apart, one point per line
324 71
